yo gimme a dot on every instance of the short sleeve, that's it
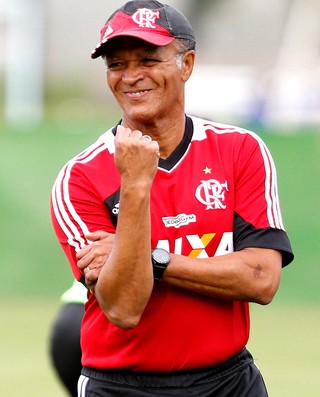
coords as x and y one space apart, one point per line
257 216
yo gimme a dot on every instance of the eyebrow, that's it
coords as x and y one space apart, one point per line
149 51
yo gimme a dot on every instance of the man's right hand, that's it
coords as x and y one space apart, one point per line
136 157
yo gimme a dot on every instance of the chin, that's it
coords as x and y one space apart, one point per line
140 117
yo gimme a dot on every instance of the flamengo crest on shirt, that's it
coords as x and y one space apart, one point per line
212 194
146 18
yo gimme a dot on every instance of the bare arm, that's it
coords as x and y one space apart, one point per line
125 282
252 275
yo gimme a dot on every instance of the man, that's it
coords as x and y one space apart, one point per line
174 224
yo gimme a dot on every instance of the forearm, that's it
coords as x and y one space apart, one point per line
126 281
251 275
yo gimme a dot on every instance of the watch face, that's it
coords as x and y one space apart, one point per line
160 256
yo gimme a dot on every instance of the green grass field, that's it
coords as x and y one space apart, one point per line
285 334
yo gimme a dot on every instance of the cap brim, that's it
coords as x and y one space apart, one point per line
149 37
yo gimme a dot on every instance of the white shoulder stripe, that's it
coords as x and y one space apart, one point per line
65 213
271 190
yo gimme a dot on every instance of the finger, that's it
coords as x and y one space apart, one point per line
91 276
92 287
83 252
86 270
90 284
136 134
97 235
156 147
95 258
121 130
146 138
84 262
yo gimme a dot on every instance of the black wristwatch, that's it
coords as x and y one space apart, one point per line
160 261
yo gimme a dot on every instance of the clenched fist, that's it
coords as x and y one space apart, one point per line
136 156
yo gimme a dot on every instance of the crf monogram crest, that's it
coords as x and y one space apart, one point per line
212 194
146 18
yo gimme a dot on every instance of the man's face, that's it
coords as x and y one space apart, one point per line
145 79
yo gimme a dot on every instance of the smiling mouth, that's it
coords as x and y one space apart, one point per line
136 94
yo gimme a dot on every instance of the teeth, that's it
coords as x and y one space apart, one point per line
136 93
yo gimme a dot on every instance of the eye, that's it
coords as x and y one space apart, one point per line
115 66
149 61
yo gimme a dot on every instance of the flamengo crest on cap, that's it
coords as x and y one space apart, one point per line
146 18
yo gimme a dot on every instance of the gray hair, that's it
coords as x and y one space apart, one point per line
183 46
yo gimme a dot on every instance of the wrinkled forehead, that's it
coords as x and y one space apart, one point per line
124 44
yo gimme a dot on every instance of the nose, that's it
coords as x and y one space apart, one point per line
132 73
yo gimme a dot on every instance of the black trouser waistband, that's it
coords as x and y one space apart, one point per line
170 379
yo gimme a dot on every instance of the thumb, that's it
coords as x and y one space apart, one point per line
97 235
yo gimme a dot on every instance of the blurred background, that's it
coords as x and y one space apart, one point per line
257 61
258 66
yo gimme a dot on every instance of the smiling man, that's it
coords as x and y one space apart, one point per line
157 94
173 223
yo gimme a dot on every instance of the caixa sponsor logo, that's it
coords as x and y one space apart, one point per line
195 246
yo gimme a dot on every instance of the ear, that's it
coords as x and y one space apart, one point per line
187 65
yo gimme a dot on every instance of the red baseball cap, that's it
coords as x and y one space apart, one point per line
151 21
